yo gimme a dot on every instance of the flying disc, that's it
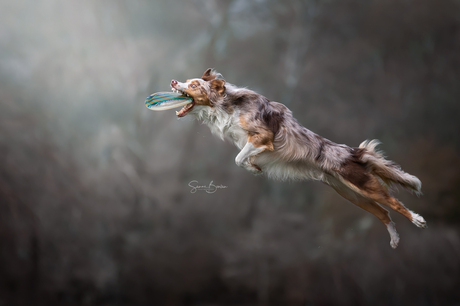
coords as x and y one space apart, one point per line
165 100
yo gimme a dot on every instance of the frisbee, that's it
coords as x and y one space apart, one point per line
166 100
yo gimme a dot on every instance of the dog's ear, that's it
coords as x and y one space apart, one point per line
218 85
209 75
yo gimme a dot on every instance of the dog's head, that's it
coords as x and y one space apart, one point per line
205 91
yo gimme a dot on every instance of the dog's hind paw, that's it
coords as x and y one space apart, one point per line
418 220
394 242
393 235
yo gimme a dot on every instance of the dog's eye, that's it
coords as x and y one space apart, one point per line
193 85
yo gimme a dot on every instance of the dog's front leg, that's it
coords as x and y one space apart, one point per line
245 157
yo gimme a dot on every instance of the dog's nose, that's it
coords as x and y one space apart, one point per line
173 83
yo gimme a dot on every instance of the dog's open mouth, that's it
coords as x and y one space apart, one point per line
186 109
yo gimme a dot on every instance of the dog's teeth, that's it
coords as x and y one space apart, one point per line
177 113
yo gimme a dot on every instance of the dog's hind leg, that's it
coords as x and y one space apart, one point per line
396 205
374 190
356 178
373 208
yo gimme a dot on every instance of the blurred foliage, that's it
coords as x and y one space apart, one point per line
95 207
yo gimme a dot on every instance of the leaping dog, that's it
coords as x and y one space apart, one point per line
272 142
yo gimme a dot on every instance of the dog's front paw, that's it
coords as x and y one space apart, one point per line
254 169
249 166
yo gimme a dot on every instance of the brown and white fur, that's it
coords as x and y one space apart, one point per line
274 143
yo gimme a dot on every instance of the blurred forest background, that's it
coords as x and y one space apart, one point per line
95 207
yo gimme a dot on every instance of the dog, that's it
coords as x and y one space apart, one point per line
273 143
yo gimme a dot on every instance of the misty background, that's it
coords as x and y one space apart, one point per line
95 203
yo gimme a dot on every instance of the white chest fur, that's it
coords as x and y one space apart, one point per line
223 124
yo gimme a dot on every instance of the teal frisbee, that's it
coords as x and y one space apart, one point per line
166 100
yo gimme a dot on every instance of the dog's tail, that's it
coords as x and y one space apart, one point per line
387 170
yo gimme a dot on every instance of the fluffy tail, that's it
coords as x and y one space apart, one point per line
387 170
